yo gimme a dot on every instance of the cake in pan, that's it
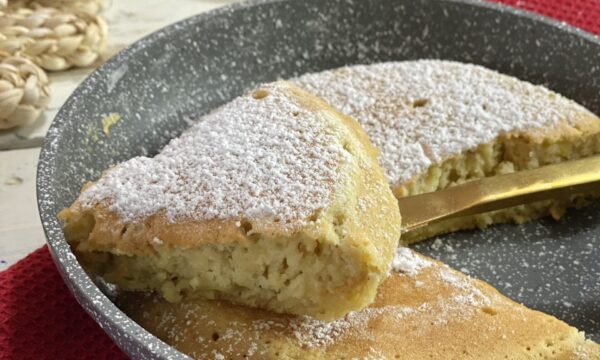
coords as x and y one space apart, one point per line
436 124
423 310
274 200
440 123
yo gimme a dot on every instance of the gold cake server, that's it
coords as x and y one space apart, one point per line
478 196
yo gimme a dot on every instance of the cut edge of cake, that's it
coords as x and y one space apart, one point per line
326 264
423 310
508 153
440 123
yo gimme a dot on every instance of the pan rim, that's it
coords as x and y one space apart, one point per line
73 274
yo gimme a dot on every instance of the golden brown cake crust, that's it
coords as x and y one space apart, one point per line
423 112
440 123
299 261
112 233
435 313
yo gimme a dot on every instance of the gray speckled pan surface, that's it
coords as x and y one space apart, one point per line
172 76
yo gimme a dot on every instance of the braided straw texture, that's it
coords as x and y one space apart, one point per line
89 6
23 91
55 39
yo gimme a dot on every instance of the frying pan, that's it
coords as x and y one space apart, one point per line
162 82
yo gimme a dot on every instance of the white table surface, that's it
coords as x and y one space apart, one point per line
20 228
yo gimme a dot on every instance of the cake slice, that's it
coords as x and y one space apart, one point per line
274 200
441 123
424 310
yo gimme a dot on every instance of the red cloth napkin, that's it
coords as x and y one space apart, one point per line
584 14
40 319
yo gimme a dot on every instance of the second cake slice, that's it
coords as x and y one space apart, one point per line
274 200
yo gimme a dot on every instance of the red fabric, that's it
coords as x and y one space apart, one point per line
584 14
39 319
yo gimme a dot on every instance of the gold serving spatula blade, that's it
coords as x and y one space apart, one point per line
478 196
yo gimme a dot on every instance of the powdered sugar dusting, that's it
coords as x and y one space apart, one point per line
314 333
470 294
217 355
408 262
258 156
423 112
444 297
